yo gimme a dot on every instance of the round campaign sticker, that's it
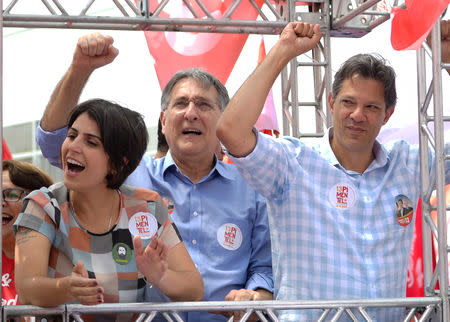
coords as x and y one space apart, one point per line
143 224
229 236
121 253
342 196
404 210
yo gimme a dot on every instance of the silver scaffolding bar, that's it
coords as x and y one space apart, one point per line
318 63
427 92
440 169
362 19
331 308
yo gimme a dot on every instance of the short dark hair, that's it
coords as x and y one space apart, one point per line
26 176
371 66
198 74
162 146
123 133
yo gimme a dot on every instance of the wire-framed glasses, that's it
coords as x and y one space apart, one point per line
12 194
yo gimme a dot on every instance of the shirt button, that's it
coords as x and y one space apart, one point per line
367 199
195 214
194 241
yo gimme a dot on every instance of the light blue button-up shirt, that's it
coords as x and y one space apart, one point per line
337 233
223 222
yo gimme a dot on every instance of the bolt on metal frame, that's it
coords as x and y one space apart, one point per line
344 18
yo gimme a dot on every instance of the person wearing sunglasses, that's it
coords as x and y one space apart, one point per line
18 179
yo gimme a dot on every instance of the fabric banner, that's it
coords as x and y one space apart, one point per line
6 153
433 202
267 121
214 52
414 284
411 26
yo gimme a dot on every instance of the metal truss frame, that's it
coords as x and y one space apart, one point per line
418 309
340 18
432 116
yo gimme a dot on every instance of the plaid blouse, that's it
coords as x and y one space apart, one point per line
108 257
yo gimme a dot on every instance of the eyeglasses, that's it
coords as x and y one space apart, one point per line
12 194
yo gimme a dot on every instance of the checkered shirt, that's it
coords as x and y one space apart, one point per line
335 233
118 275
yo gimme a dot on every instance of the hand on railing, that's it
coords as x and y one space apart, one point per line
82 288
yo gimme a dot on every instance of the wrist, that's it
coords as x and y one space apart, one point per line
63 288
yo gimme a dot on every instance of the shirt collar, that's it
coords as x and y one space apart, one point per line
381 155
222 169
325 146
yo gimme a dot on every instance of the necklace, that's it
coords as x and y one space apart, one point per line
112 213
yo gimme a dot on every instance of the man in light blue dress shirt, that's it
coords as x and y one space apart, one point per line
222 221
334 203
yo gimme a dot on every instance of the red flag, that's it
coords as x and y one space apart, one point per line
214 52
411 26
433 201
415 282
6 154
267 121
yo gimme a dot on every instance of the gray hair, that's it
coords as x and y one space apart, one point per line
371 66
200 75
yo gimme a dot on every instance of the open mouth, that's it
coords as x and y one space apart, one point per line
74 166
6 219
189 131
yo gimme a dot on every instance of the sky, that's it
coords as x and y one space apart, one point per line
34 60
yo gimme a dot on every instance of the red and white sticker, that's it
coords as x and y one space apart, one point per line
342 196
229 236
143 224
404 210
169 203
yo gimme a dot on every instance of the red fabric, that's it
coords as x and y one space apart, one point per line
415 282
267 121
6 154
411 26
214 52
433 201
9 293
226 159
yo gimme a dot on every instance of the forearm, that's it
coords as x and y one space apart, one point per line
235 126
182 286
64 98
43 291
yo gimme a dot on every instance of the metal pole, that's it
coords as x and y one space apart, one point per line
424 170
294 81
440 169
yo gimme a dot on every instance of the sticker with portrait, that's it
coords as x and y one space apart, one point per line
404 210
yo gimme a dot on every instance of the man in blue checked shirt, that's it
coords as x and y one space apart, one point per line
222 221
333 205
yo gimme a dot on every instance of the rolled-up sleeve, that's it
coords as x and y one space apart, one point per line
260 265
50 144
